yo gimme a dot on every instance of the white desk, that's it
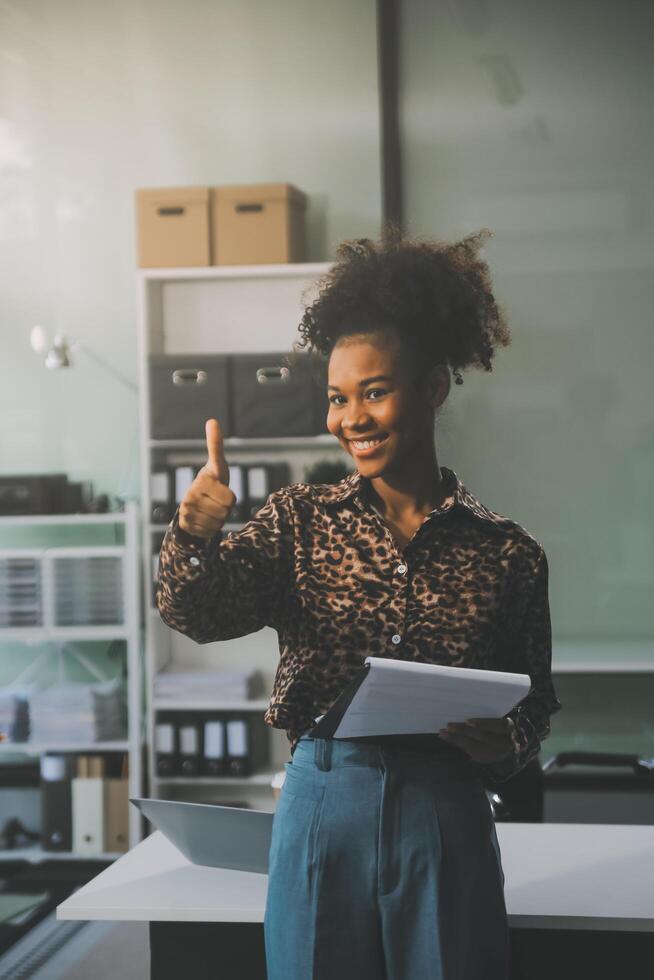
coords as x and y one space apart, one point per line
154 882
581 878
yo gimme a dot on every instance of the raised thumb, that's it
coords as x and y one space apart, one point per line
216 461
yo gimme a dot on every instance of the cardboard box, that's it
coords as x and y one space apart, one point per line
257 224
173 227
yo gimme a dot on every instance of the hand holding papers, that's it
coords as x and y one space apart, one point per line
398 697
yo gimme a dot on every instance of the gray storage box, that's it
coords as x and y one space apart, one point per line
271 398
185 391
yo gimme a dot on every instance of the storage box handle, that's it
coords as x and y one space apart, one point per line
635 762
169 212
189 376
249 207
268 375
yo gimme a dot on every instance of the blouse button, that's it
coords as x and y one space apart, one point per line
396 638
194 560
401 569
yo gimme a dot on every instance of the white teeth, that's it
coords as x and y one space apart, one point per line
367 444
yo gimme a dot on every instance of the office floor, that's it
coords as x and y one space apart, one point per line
113 950
95 951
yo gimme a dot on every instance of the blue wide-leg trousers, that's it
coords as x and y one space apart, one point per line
384 865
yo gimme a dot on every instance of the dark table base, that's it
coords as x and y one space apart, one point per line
581 954
207 951
236 951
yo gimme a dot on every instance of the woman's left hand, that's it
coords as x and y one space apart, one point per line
484 739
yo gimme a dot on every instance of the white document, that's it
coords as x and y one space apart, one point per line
401 697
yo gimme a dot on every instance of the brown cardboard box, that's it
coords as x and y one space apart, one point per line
173 227
255 224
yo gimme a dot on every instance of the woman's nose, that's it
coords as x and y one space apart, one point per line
360 424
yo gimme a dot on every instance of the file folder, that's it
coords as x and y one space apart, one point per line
189 749
116 815
165 748
239 760
236 485
214 760
56 803
161 495
87 794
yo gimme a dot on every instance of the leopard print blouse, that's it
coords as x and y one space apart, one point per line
318 564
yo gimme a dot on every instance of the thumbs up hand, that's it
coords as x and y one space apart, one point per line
206 504
216 465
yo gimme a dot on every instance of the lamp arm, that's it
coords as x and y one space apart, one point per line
107 367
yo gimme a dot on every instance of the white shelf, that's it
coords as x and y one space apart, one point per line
35 748
181 705
37 854
128 630
29 634
261 778
319 441
228 526
117 517
277 270
215 310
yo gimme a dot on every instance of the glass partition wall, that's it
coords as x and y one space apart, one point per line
534 120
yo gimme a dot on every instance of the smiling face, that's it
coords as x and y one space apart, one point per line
373 396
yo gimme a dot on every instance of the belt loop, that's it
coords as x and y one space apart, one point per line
323 754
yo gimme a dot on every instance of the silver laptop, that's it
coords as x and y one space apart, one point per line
217 836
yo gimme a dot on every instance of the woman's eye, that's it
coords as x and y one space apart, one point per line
372 390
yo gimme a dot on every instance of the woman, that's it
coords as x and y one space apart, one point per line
384 861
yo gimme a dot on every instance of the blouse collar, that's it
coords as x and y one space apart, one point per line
356 487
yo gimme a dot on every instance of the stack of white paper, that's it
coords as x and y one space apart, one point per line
62 713
402 697
201 686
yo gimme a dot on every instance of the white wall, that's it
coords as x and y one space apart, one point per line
97 99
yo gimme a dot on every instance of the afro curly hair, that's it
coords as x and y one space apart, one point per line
437 295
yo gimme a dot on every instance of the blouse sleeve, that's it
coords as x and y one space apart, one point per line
533 656
229 585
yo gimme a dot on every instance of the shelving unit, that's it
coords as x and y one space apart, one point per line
38 748
36 854
217 310
128 631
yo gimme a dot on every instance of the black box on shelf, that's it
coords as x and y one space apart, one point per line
271 399
185 391
48 493
34 494
79 497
